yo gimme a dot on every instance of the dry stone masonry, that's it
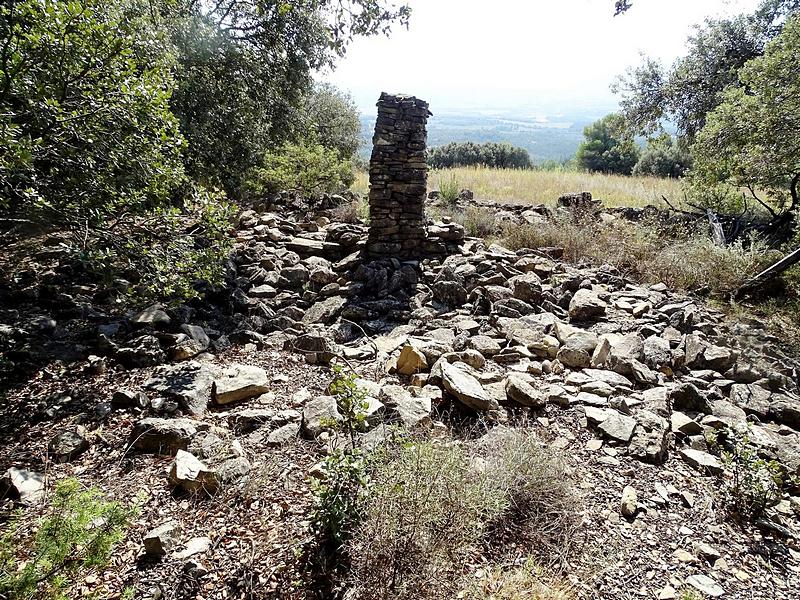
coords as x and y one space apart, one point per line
398 177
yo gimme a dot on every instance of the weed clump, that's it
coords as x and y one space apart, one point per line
433 504
751 483
477 221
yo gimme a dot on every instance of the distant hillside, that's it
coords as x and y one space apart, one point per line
546 137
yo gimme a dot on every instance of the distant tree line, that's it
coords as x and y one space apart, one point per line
468 154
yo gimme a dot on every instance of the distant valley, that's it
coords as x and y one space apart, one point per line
545 136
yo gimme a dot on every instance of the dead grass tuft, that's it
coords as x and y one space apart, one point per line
435 504
681 259
356 211
528 582
477 221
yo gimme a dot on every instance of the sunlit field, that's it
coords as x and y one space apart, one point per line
544 187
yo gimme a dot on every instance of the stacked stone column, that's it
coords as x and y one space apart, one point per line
398 177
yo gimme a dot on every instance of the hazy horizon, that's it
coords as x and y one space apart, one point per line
538 57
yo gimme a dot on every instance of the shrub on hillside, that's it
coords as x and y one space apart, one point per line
167 255
306 168
663 158
433 503
607 148
76 538
469 154
86 131
752 484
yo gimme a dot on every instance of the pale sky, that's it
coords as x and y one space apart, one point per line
495 54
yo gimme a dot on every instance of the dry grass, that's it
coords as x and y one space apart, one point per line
528 582
356 211
477 221
435 504
544 187
682 260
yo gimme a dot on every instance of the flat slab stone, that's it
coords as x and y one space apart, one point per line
239 382
466 388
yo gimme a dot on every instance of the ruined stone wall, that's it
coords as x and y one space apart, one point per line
398 177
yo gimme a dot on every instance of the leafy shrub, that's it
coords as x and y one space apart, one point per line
304 168
339 497
331 118
86 132
663 158
165 254
76 538
351 402
606 148
752 484
341 492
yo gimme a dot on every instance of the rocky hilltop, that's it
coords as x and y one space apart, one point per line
631 385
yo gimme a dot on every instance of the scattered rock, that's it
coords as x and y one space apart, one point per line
67 445
629 503
159 541
586 305
318 414
702 461
192 475
705 585
25 486
411 361
164 436
239 382
465 388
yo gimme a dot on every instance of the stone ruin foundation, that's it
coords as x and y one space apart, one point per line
398 177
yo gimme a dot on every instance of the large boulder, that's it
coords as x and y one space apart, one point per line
164 436
618 427
577 350
527 287
67 445
650 442
412 411
194 342
324 311
519 389
411 361
319 414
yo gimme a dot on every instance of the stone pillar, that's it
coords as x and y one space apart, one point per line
398 178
